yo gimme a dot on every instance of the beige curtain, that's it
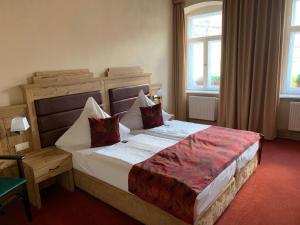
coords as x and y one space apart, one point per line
179 61
251 64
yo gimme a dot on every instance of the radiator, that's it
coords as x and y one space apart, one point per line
203 108
294 118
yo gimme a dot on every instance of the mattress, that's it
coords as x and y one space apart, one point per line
112 165
177 130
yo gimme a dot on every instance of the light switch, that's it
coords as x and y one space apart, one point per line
22 146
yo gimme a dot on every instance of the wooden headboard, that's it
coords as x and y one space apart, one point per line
122 86
59 84
55 86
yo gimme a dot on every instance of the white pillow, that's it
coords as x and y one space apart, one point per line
133 118
78 136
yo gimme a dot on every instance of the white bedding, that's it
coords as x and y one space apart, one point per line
177 130
173 129
112 165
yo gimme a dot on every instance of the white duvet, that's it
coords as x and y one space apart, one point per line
137 149
173 129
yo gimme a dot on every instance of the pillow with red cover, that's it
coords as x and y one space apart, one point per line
104 131
152 116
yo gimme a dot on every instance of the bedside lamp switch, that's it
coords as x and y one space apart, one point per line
22 146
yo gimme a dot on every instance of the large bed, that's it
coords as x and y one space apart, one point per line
103 172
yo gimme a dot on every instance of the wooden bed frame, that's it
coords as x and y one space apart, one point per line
152 215
59 83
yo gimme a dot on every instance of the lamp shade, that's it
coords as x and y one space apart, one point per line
160 93
19 124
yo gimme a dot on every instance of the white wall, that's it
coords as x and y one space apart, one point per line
39 35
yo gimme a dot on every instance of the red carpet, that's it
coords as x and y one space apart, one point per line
270 197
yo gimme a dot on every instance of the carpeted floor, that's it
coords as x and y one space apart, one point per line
270 197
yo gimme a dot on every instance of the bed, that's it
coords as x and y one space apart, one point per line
122 98
103 186
96 163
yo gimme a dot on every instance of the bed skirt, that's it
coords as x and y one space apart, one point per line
243 175
152 215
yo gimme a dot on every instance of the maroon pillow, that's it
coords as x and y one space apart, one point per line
152 116
104 131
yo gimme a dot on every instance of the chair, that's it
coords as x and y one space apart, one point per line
16 184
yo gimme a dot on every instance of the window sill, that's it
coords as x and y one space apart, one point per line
202 92
290 96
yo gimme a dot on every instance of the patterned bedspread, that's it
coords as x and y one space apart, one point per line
172 178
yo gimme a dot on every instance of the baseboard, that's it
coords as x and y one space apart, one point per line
293 135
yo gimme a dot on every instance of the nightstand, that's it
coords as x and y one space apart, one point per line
42 165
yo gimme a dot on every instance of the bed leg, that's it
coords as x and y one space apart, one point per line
260 149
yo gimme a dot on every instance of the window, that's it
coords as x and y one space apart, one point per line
291 68
204 28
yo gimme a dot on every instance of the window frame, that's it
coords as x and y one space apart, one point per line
289 30
216 7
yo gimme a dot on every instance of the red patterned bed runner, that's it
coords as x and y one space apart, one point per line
172 178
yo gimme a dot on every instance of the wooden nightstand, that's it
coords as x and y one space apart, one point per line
42 165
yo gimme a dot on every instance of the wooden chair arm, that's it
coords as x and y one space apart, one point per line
12 157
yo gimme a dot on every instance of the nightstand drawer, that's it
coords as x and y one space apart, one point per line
52 169
41 165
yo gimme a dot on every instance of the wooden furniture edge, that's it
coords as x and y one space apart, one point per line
11 109
64 177
57 75
140 210
60 83
260 148
131 204
123 201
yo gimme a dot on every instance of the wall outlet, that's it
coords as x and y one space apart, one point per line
22 146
